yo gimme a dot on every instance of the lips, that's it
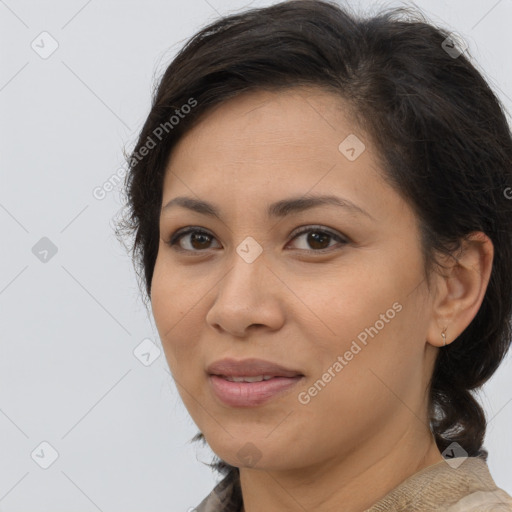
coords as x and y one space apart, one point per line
250 382
250 368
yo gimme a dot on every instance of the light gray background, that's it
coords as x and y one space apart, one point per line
68 374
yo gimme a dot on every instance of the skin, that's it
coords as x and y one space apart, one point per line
367 430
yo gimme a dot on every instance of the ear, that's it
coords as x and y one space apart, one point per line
460 288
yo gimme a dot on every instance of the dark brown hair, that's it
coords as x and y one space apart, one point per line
439 129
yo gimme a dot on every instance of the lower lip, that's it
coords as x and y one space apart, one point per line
250 394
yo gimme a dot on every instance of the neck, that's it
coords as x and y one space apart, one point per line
358 480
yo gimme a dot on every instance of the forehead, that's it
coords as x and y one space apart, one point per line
287 129
262 115
265 145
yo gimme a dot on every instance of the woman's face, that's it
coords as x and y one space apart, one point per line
344 304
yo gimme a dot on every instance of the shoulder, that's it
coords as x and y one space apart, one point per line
457 485
481 494
483 501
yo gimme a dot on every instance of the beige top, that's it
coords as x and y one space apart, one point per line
462 485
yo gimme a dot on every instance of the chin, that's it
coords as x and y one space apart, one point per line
253 452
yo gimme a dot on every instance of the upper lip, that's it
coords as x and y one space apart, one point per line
250 368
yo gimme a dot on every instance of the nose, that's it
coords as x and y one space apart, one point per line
249 296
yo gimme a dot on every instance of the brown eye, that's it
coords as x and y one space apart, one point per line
317 240
199 240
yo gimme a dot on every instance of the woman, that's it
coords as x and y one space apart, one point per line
323 225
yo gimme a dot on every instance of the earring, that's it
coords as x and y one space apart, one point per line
443 335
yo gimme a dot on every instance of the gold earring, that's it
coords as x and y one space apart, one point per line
443 335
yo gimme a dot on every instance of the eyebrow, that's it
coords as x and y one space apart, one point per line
279 209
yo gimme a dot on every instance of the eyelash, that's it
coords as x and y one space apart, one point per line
178 235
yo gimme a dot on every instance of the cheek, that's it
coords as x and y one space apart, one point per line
175 314
368 316
352 300
358 374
